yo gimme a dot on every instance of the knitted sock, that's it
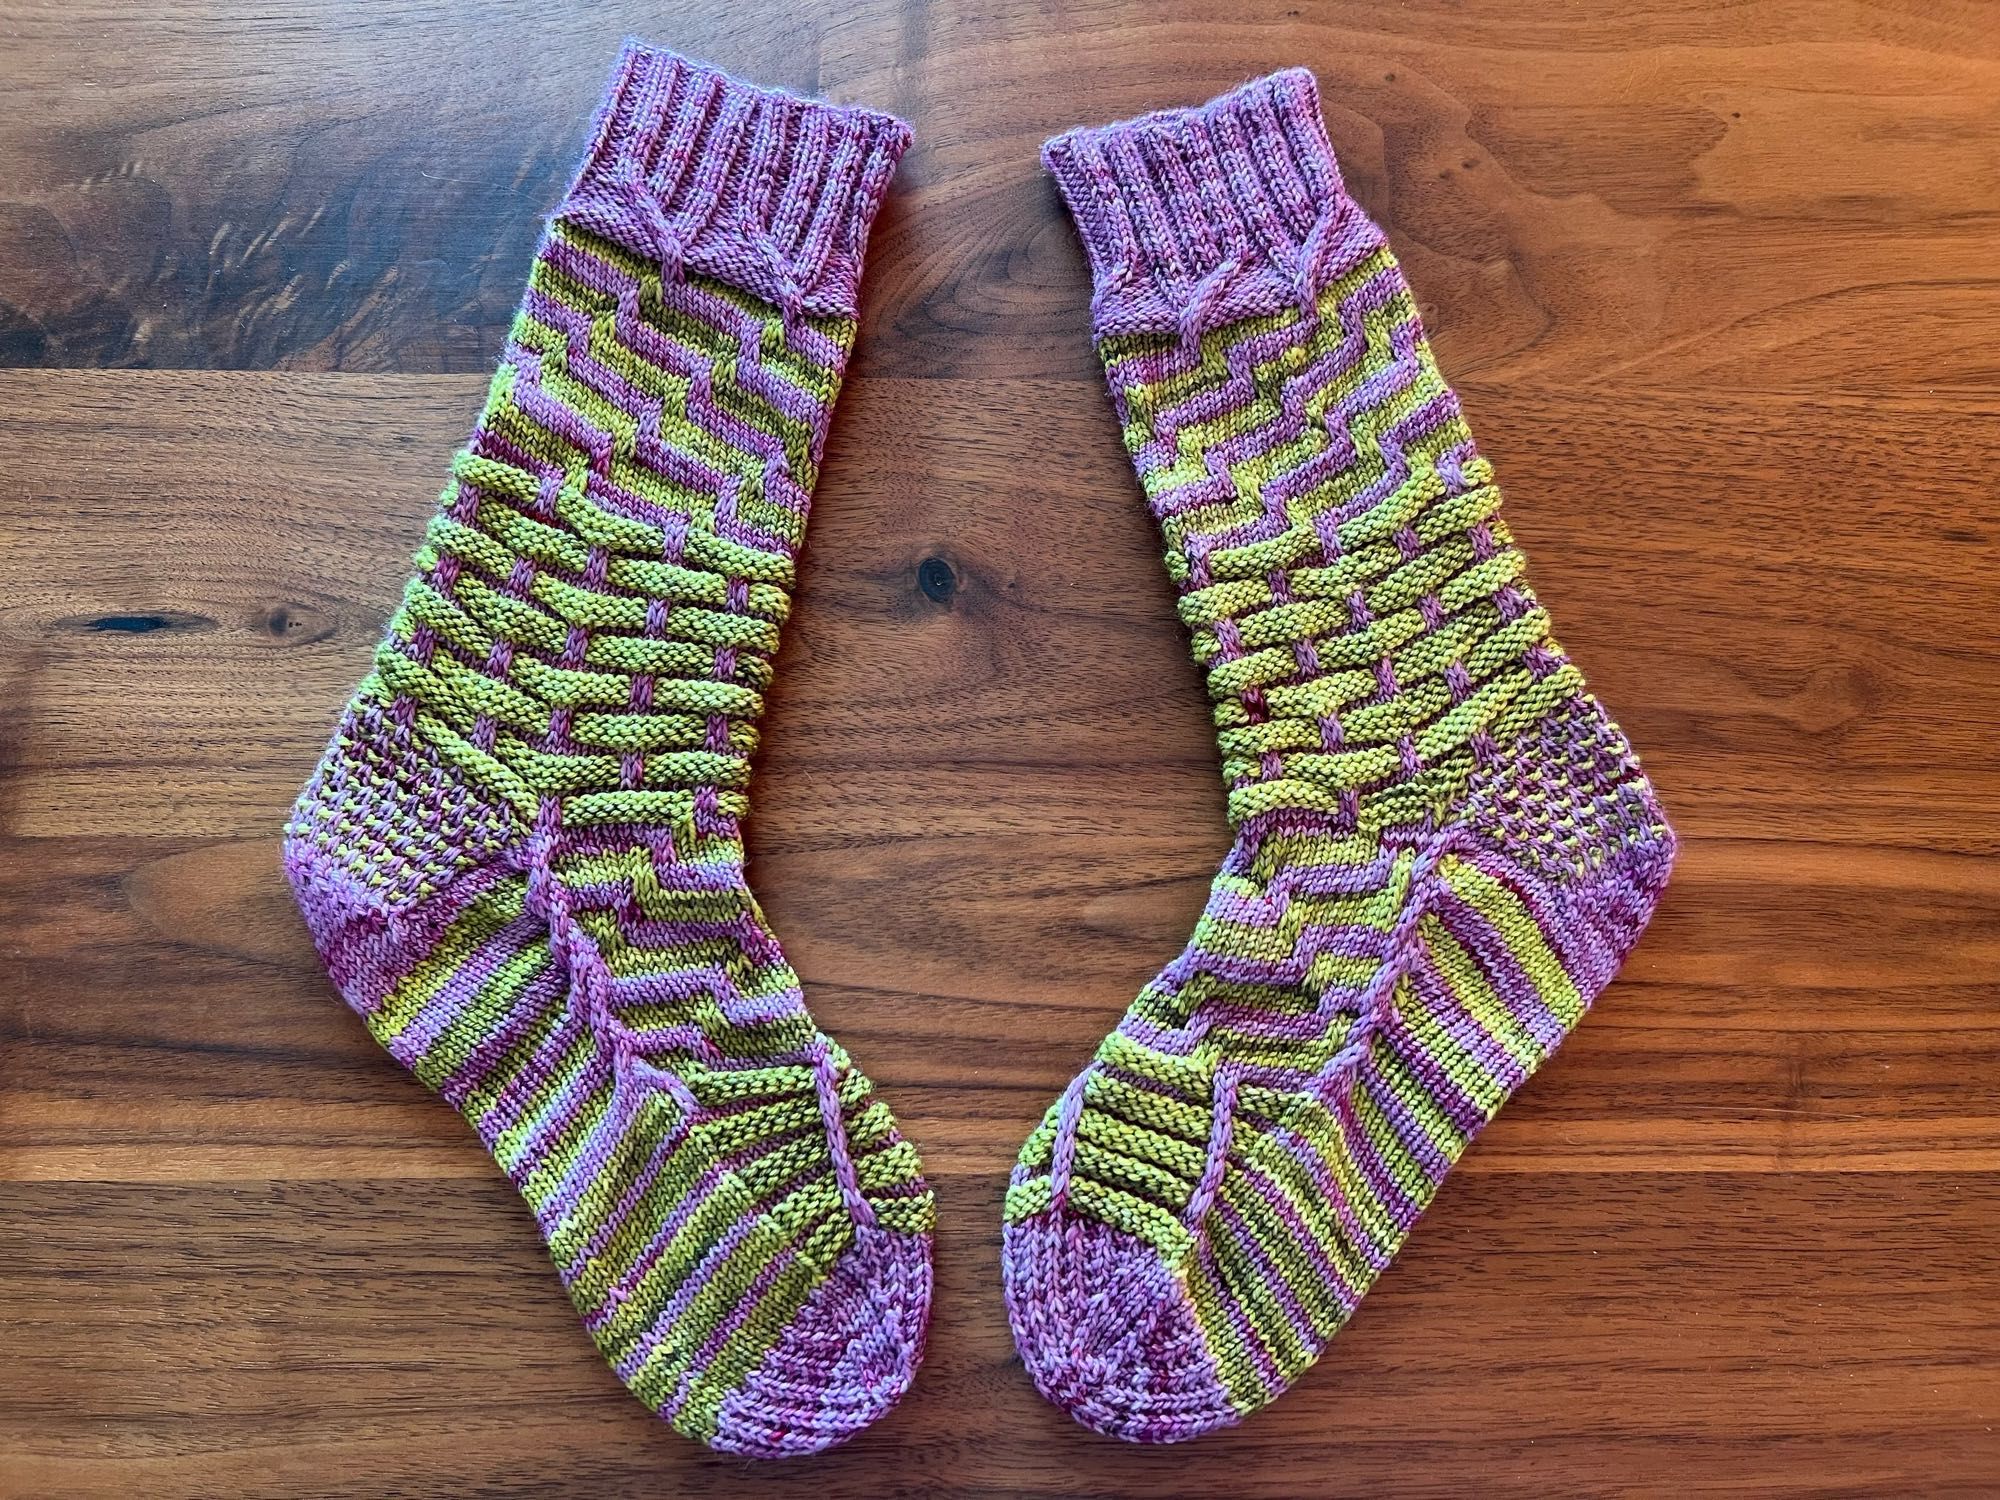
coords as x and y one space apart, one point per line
1444 847
520 857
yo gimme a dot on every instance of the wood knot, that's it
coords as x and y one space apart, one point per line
936 579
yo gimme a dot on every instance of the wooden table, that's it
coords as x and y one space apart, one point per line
1720 285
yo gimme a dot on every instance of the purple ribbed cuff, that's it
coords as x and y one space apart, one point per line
767 191
1194 217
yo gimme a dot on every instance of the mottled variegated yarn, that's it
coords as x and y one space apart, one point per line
1444 847
521 856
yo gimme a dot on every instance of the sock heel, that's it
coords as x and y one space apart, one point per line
386 848
1567 805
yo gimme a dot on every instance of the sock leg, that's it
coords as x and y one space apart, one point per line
521 856
1444 846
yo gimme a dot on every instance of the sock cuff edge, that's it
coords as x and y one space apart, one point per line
767 190
1202 215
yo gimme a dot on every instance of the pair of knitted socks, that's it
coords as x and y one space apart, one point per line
521 856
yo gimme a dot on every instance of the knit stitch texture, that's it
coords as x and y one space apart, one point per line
521 857
1444 846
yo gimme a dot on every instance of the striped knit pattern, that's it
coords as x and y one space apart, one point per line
521 856
1444 846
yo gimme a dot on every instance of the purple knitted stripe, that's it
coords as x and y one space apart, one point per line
603 1141
1331 1276
614 1222
1502 970
1443 1007
560 1112
662 1327
450 999
1249 1342
532 1009
1232 1224
1359 1237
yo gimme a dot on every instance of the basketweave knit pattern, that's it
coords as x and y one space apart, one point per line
521 855
1444 847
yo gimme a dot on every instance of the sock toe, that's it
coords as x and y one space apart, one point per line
847 1356
1108 1330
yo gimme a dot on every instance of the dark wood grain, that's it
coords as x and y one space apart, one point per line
1719 285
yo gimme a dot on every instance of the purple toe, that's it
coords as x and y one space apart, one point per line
1108 1331
844 1360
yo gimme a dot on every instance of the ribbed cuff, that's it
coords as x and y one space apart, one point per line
1193 217
760 188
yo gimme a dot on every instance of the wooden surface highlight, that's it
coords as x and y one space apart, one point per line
1718 285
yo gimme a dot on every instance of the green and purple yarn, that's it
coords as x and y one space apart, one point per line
521 857
522 860
1444 847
